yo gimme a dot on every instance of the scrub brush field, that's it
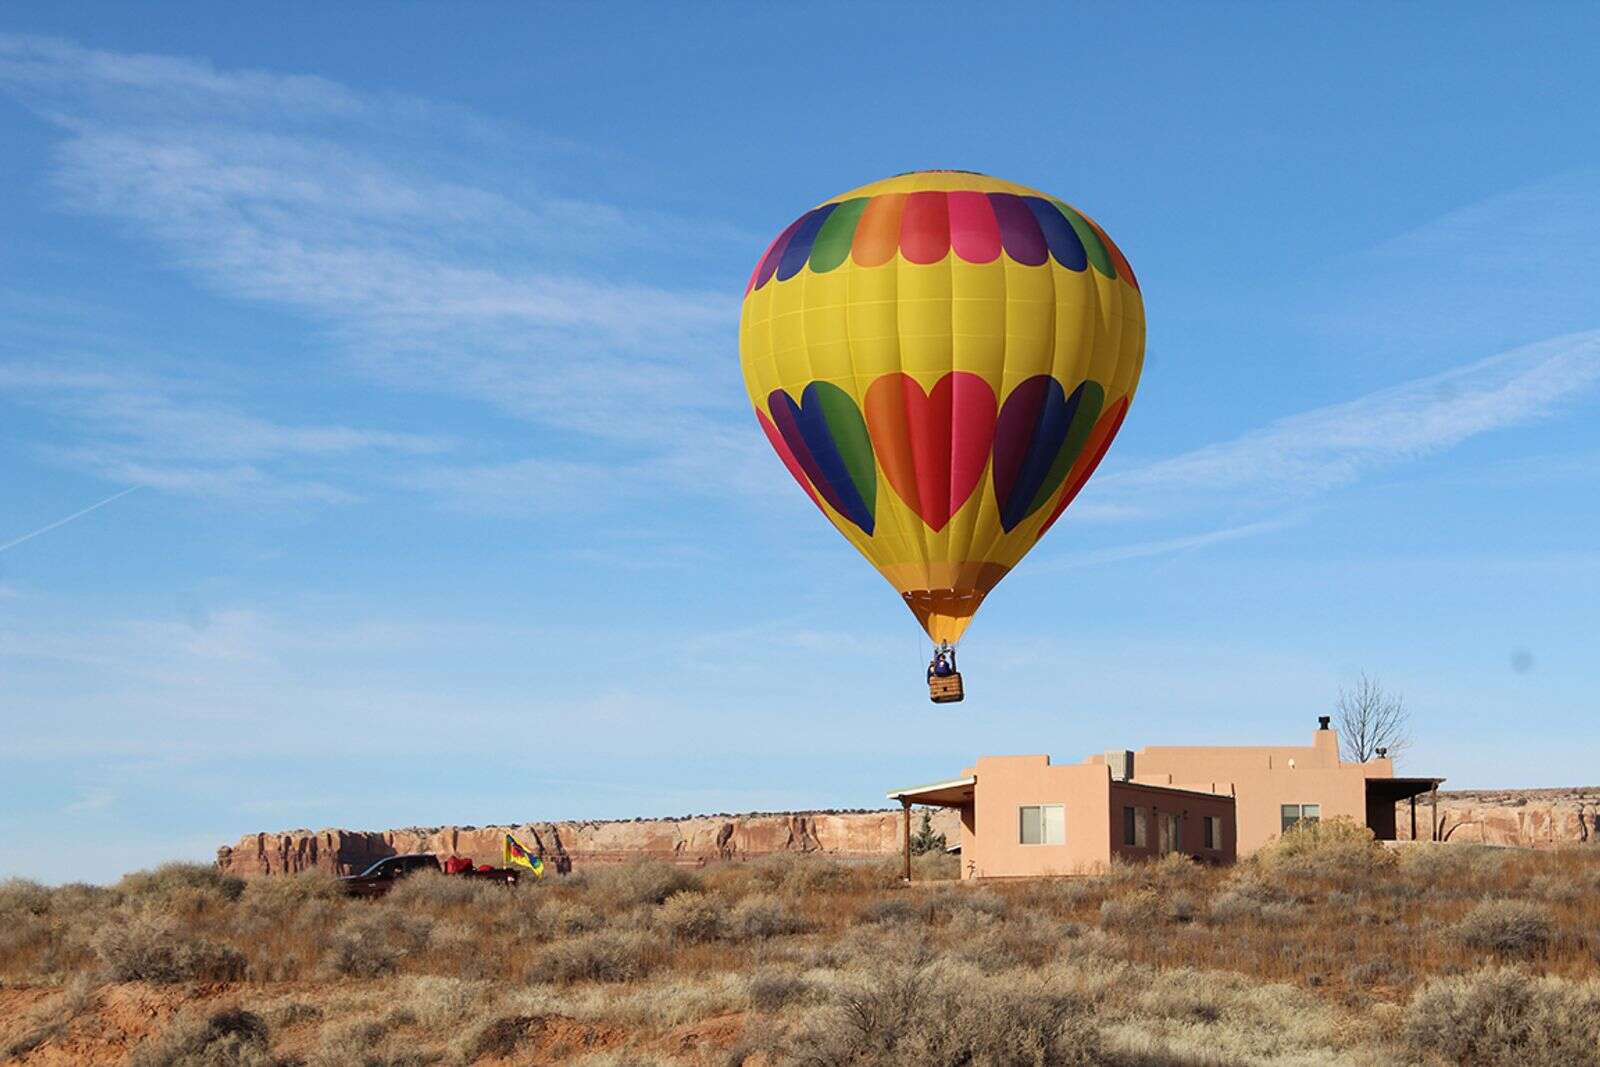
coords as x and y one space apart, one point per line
1324 948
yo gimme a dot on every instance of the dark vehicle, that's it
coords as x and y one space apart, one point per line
379 878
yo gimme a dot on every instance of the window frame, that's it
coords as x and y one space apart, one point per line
1044 823
1135 826
1302 814
1213 833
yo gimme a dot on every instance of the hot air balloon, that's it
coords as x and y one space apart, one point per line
941 360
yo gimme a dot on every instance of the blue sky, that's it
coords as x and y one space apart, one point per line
413 334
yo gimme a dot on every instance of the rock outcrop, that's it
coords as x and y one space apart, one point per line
1526 818
691 841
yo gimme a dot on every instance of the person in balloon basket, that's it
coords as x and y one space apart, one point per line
944 663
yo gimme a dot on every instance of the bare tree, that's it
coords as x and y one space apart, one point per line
1372 721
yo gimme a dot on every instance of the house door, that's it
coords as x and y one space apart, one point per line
1171 840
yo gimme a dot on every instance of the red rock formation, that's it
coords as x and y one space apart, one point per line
1526 818
693 841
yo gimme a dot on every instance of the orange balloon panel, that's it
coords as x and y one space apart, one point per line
941 359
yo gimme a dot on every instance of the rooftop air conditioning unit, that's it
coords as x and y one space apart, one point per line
1121 764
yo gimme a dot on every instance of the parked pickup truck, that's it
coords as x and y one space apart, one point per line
379 878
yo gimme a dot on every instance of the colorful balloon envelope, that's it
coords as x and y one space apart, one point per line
941 360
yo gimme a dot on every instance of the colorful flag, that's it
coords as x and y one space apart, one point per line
517 856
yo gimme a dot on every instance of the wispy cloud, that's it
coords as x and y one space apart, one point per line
1518 264
92 800
1165 547
1333 446
428 273
177 437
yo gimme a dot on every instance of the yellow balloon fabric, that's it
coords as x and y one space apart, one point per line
941 359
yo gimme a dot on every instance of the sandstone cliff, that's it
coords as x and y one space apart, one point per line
694 841
1527 818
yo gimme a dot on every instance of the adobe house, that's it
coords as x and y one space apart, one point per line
1276 786
1023 816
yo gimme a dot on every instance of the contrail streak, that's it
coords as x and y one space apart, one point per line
69 518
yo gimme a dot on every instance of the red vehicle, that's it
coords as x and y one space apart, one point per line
381 877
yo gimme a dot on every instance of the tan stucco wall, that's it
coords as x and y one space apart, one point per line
1006 783
1092 803
1263 778
1191 808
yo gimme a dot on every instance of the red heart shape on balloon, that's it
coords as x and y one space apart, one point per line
933 446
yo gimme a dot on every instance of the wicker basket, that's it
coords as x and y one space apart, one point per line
946 690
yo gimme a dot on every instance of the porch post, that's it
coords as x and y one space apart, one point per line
1433 797
905 811
1413 816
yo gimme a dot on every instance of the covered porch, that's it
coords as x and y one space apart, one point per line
1383 794
956 793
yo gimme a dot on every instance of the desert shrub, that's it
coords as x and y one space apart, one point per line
1067 894
290 914
366 1043
20 898
978 901
280 897
645 882
692 917
172 879
1445 869
435 891
617 1058
440 1002
521 915
1171 871
373 941
1248 902
497 1037
938 866
1502 1016
889 910
1207 1018
1506 927
151 947
228 1038
26 935
763 916
933 1015
603 956
560 917
798 873
1378 972
75 898
293 1013
1334 848
993 944
1139 909
1182 907
1556 889
770 989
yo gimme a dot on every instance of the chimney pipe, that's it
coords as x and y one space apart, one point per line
1323 721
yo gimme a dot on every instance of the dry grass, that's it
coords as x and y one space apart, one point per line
1324 949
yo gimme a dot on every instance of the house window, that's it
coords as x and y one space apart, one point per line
1134 828
1213 832
1171 833
1043 824
1297 813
